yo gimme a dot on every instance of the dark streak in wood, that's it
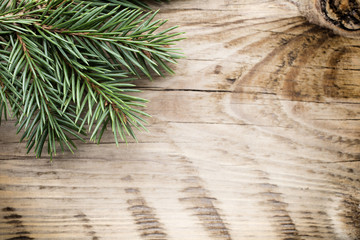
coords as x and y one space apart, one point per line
218 69
16 223
13 216
132 190
281 218
81 215
8 209
22 233
308 52
351 216
145 217
46 173
20 238
334 85
204 208
86 224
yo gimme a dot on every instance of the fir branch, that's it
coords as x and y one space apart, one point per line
123 3
65 64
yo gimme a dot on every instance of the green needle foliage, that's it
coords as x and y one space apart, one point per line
66 67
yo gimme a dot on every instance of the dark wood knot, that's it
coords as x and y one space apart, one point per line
341 16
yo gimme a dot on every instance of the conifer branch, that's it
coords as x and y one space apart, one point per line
66 65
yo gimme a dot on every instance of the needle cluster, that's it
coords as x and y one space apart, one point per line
67 66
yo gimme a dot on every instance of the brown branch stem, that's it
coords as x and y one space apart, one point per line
60 30
26 51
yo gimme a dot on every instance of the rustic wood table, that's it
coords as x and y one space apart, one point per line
257 137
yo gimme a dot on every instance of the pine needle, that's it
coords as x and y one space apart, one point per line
67 67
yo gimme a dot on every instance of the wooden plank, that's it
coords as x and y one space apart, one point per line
255 137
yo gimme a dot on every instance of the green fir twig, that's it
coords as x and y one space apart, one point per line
68 64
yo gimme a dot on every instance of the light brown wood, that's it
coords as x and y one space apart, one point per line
256 137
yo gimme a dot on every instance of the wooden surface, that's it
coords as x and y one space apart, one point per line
256 137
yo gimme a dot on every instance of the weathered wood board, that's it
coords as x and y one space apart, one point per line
256 137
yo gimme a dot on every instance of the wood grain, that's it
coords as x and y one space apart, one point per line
341 16
256 137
